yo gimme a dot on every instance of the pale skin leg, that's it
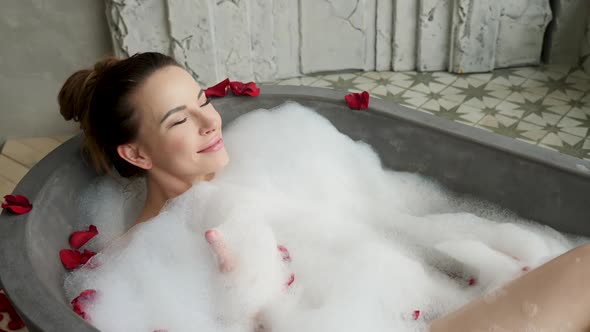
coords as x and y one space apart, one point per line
554 297
222 253
227 264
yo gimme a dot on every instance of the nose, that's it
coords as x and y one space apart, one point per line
206 131
208 125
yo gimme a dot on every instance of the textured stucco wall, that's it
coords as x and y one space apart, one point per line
266 40
43 42
490 34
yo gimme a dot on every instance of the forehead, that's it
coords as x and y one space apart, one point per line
164 90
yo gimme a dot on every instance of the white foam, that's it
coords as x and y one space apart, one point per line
369 246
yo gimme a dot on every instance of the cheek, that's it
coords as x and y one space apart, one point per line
180 145
175 146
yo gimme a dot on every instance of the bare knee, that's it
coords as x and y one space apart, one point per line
581 254
437 326
575 262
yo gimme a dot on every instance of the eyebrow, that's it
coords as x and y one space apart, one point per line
172 111
179 108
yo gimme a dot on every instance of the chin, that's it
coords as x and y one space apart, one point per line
224 159
220 162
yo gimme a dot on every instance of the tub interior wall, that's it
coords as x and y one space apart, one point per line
531 189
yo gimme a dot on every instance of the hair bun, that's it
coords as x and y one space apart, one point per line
76 93
104 65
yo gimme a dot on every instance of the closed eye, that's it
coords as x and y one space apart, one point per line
207 101
178 122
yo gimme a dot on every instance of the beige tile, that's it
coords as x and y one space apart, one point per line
552 139
569 138
526 140
42 144
484 102
368 86
379 90
12 170
21 153
512 80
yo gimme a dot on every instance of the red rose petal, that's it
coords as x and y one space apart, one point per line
284 253
80 302
291 279
86 255
79 238
15 322
358 101
17 200
17 204
416 314
71 259
472 281
218 90
244 89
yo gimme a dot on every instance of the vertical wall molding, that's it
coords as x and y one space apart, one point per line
434 34
266 40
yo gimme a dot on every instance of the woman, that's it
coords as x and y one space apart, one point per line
146 116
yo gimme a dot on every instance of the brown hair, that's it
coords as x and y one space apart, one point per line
99 99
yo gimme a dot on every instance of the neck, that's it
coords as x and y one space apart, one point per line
161 188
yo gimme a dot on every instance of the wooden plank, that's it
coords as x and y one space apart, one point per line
21 153
62 138
12 170
42 144
6 186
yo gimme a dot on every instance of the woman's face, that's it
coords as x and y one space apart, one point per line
179 131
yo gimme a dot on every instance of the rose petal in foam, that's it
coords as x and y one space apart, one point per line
79 238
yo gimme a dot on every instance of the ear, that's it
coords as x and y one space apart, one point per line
134 155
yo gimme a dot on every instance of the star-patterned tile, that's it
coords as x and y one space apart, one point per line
547 105
505 77
568 144
453 111
575 126
402 96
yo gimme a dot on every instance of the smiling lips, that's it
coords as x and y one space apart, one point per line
215 145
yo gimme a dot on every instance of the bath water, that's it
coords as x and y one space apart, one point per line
370 249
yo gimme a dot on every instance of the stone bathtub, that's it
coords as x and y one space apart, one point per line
536 183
